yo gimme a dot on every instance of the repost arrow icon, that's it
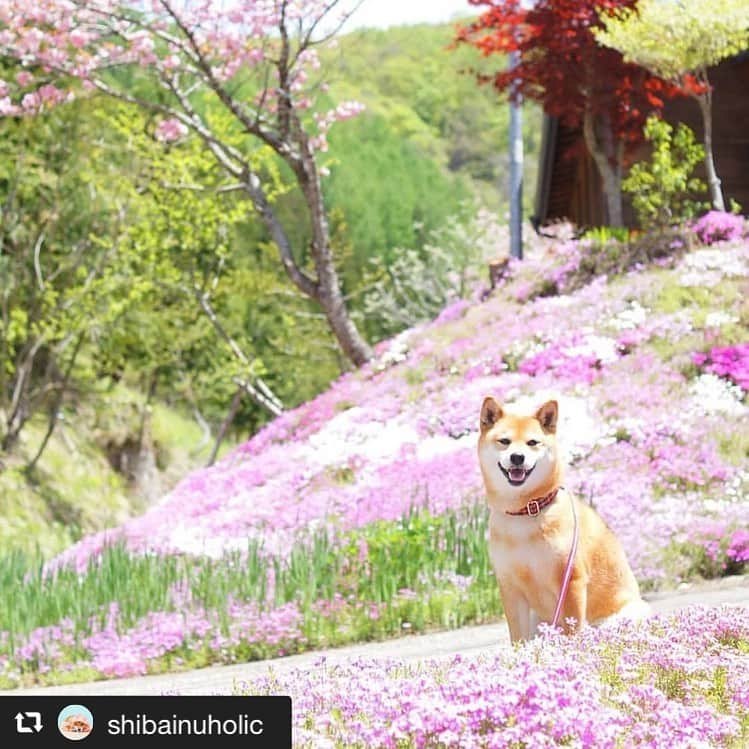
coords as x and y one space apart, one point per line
20 722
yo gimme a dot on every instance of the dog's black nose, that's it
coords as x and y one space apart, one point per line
517 459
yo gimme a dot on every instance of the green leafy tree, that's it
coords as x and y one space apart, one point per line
255 62
662 188
219 326
64 279
182 228
678 41
422 86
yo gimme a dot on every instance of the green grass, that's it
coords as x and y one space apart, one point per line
73 491
418 573
675 297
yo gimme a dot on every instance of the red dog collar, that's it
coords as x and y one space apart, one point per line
535 506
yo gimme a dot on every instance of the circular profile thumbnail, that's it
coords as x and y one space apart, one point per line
75 722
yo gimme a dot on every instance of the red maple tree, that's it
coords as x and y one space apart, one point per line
574 78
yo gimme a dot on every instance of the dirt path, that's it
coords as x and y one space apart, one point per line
467 641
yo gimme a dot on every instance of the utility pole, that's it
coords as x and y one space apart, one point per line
516 166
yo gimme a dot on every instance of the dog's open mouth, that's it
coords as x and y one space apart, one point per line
516 475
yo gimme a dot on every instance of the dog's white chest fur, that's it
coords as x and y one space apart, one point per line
524 560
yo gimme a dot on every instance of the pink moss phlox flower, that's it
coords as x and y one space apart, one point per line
578 358
738 546
719 226
731 362
454 311
625 685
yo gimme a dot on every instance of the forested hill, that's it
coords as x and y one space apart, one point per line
152 380
424 87
431 144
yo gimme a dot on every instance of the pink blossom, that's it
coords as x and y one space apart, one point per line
23 78
170 130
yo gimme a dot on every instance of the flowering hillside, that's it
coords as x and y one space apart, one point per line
649 399
360 513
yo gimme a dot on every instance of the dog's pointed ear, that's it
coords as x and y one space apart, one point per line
491 412
547 416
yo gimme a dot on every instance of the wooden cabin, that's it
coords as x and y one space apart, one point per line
569 186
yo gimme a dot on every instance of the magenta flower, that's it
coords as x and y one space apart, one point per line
731 362
719 226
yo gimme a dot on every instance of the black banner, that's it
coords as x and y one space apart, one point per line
164 722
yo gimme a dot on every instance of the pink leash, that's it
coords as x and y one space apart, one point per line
568 570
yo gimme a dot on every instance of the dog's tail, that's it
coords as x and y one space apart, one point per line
633 611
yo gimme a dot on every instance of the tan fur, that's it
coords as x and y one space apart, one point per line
529 554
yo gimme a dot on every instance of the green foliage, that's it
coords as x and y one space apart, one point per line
64 277
662 188
127 232
425 89
390 193
602 235
679 41
692 560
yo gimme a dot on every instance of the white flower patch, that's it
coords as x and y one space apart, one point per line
717 319
397 352
726 263
631 317
737 489
561 300
706 278
598 347
442 444
525 347
348 434
194 540
711 394
732 500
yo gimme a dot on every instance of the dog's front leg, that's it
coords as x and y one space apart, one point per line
517 612
575 606
533 621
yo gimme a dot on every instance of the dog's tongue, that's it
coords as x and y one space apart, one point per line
517 474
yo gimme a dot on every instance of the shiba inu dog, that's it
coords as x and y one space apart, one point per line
531 529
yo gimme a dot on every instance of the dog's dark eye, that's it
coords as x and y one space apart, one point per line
532 443
504 441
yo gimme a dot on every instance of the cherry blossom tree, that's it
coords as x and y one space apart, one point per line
185 60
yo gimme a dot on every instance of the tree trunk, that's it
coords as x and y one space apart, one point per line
54 412
328 284
352 344
325 288
18 412
611 176
706 108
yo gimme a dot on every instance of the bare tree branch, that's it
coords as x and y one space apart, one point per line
262 396
37 264
225 424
